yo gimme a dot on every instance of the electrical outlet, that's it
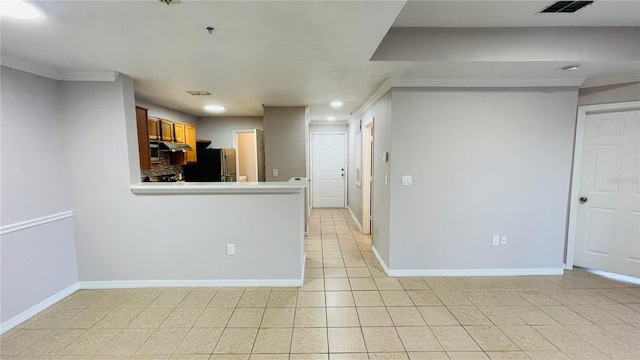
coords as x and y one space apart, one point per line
496 240
503 240
231 249
274 172
407 180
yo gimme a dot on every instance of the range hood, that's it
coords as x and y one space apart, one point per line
173 147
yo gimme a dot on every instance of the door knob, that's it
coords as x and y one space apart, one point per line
583 200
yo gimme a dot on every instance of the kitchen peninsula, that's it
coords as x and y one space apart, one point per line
251 233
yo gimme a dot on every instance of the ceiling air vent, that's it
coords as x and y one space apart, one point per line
566 6
168 2
198 93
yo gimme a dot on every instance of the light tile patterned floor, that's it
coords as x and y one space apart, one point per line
348 309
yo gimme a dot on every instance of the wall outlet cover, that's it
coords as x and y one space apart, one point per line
496 240
407 180
231 249
503 240
275 172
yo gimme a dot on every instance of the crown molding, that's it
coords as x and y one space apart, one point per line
489 83
611 80
56 74
372 100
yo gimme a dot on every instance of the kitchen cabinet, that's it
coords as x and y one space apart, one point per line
178 132
153 128
143 138
190 139
166 130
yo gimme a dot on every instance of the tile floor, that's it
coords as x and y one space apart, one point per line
348 309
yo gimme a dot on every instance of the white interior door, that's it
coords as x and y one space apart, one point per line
328 172
607 235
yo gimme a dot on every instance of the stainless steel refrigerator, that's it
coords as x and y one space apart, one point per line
214 165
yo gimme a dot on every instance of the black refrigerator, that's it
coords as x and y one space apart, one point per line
214 165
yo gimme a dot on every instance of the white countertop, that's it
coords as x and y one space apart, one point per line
181 187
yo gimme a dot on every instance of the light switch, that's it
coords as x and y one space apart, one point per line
275 172
407 180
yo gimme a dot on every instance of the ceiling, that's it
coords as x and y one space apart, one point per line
283 53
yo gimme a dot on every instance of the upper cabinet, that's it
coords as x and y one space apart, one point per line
190 139
178 132
143 139
166 130
153 128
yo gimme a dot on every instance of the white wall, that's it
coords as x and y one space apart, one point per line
380 113
285 142
37 262
609 94
163 112
127 237
219 129
484 162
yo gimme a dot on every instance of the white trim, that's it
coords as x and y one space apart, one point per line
129 284
486 82
583 111
355 219
372 100
382 263
475 272
56 74
463 272
7 229
304 265
366 176
613 276
34 310
346 162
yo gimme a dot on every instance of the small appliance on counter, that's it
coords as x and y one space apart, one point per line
214 165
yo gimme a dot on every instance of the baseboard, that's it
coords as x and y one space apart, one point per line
382 263
355 219
463 272
34 310
128 284
474 272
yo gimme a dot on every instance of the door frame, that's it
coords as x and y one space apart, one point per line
235 133
366 177
583 112
346 175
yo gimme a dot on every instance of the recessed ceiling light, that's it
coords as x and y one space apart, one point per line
214 108
336 104
571 68
19 9
331 118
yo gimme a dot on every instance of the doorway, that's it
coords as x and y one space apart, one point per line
249 145
604 217
328 170
367 177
